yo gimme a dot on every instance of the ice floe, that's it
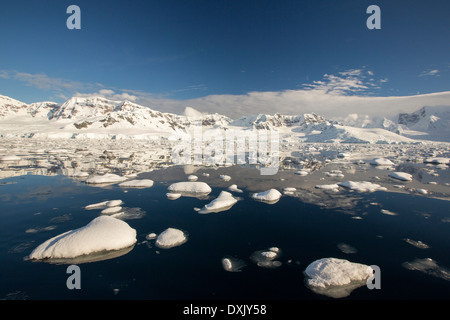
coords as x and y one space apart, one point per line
104 204
381 162
362 186
234 188
403 176
267 258
232 264
170 238
137 183
104 233
336 278
190 187
388 212
108 178
418 244
192 177
269 196
437 160
428 266
173 196
111 210
225 177
223 202
346 248
333 187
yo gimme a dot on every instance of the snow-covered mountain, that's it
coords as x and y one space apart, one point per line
96 116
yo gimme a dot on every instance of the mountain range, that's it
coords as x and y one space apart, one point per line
98 117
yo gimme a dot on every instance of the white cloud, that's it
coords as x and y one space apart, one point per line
429 73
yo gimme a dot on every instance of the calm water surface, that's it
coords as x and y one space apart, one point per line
36 208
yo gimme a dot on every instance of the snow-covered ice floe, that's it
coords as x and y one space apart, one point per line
190 187
362 186
223 202
137 183
268 196
92 242
234 188
333 187
437 160
381 162
428 266
336 278
403 176
170 238
104 204
108 178
173 196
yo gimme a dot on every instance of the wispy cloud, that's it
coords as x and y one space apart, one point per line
429 73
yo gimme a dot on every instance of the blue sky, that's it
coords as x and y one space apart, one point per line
184 50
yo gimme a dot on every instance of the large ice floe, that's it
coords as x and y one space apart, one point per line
336 278
269 196
190 187
170 238
103 238
223 202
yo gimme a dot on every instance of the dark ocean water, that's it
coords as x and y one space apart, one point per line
36 208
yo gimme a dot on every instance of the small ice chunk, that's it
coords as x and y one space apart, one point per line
437 160
225 177
381 162
389 213
418 244
422 191
151 236
113 203
170 238
428 266
289 189
142 183
302 172
271 195
332 187
104 233
403 176
173 196
192 178
232 264
10 158
234 188
266 258
190 187
104 179
223 202
336 278
345 248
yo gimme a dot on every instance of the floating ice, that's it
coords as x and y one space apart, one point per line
151 236
270 196
389 213
10 158
234 188
232 264
345 248
403 176
105 179
336 278
111 210
103 204
332 187
362 186
173 196
190 187
422 191
223 202
192 178
428 266
418 244
266 258
302 172
381 162
437 160
142 183
224 177
170 238
104 233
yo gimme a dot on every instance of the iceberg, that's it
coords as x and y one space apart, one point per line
223 202
269 196
190 187
336 278
102 234
170 238
143 183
